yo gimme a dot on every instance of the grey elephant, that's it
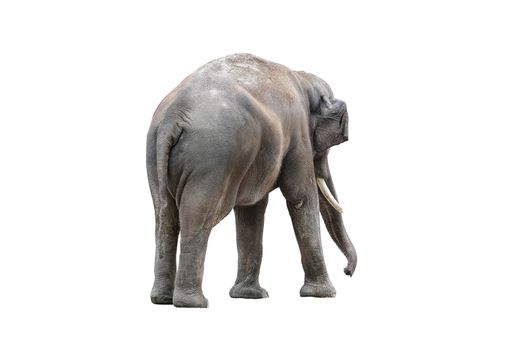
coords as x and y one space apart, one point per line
229 134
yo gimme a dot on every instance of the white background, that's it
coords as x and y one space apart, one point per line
431 180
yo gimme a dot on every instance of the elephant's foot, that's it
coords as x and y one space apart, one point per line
248 291
161 293
189 299
161 298
323 289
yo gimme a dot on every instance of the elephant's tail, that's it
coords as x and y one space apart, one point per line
168 134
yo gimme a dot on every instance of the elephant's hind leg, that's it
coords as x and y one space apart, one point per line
166 232
250 222
166 236
202 207
188 283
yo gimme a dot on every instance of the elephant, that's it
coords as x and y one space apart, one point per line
229 134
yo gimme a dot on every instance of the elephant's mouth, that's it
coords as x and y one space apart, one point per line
321 183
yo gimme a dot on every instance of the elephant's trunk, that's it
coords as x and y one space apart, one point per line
331 213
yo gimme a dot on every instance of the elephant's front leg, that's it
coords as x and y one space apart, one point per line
298 186
250 223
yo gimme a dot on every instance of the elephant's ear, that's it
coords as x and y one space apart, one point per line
331 124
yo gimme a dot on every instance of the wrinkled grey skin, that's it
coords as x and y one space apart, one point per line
229 134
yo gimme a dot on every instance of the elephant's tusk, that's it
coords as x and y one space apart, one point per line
328 195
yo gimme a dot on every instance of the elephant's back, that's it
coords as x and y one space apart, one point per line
238 82
235 126
225 79
246 70
239 99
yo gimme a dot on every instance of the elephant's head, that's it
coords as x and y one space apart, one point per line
329 127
